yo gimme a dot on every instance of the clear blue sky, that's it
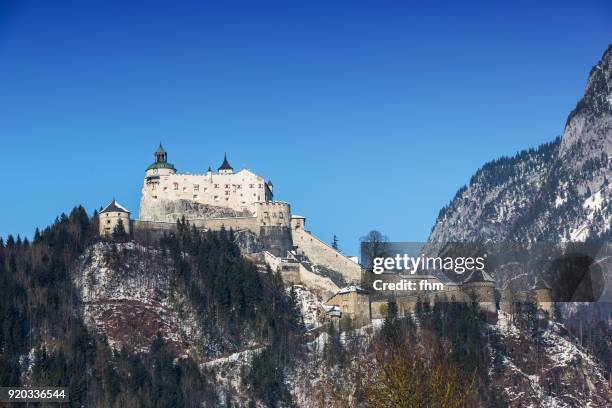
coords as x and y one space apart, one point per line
365 115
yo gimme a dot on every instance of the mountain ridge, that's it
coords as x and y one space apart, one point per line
557 192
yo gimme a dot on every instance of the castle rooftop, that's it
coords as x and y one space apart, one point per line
161 160
114 206
478 276
351 288
225 165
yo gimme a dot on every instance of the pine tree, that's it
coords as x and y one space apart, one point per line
335 242
119 233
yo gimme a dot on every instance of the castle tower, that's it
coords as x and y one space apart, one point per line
481 287
543 295
160 167
111 216
225 167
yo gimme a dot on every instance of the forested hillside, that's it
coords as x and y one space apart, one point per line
45 342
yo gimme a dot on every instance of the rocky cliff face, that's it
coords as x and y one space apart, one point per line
555 193
173 210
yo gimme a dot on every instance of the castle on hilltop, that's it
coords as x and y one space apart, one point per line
273 237
244 202
239 191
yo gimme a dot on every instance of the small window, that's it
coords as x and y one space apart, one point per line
175 186
216 186
195 196
227 186
227 193
196 187
165 188
251 185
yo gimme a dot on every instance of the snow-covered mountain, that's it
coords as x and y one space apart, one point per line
555 193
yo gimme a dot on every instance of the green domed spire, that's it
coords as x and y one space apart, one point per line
161 160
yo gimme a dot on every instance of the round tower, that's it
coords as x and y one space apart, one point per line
160 167
543 295
480 286
112 217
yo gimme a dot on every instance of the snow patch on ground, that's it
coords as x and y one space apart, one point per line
594 202
562 360
227 371
559 201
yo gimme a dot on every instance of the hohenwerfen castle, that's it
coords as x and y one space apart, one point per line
239 200
271 235
239 191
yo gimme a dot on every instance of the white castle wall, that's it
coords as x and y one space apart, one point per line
238 191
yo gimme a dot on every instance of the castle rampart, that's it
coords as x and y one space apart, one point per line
321 253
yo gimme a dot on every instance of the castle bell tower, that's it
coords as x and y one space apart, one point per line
160 166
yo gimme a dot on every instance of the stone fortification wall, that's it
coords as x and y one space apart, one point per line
296 273
407 304
235 223
275 239
320 253
270 221
273 213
